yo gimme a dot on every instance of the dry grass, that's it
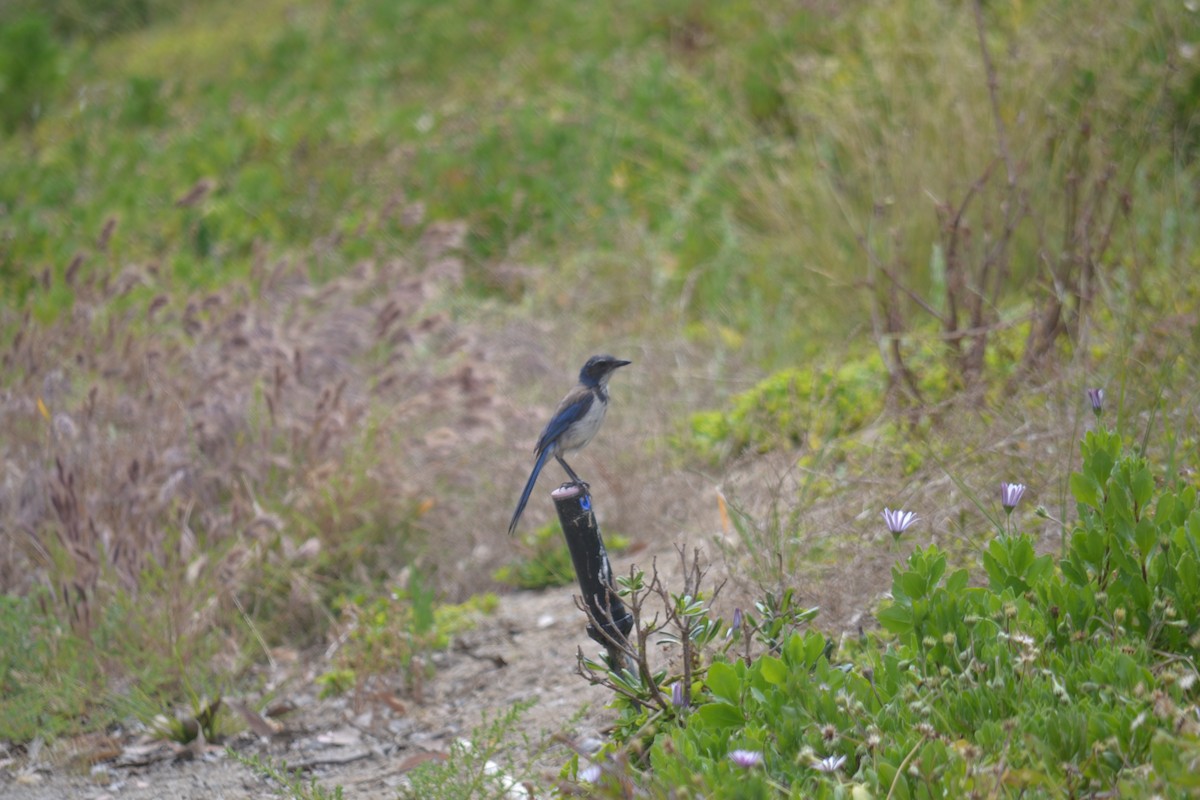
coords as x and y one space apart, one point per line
278 425
254 452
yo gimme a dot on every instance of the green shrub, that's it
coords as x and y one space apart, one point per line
48 679
394 633
798 407
144 104
95 18
812 408
1044 682
30 70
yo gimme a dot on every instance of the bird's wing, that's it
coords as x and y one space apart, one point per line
573 408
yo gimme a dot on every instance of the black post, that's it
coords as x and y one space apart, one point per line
592 567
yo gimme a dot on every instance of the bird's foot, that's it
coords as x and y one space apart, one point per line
576 484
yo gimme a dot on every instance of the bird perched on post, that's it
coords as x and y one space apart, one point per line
573 424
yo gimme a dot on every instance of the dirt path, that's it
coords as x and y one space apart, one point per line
526 651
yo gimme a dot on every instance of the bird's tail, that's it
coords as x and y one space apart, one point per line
533 476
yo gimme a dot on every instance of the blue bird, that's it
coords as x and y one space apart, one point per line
574 423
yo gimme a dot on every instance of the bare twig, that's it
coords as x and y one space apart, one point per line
895 280
889 329
680 627
993 95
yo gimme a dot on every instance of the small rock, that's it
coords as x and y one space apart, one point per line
29 778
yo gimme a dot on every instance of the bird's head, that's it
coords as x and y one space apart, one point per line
599 369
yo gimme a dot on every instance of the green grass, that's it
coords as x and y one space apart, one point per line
726 156
47 678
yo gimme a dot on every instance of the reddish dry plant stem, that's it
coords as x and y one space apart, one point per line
978 262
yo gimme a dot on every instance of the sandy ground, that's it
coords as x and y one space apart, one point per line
526 651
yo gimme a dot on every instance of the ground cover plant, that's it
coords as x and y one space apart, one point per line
1055 677
282 283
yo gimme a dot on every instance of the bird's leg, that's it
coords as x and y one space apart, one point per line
574 478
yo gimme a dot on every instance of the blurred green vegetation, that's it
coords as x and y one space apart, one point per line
46 680
93 19
811 408
729 159
390 635
30 71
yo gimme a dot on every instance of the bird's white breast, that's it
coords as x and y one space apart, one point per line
582 431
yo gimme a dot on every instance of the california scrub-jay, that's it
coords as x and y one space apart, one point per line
574 423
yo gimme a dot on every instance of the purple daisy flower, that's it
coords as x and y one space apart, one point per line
1010 495
898 521
829 763
746 758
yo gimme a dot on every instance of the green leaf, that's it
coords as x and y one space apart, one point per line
1164 512
1145 534
896 618
937 568
1192 526
1138 590
1174 759
723 681
793 652
1189 575
913 585
1123 561
1142 486
1086 489
1187 498
888 777
1074 572
773 670
718 716
814 647
1090 545
1041 569
994 569
1100 454
957 581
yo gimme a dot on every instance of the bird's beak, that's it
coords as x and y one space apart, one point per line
619 363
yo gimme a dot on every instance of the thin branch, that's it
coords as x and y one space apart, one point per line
955 280
993 95
967 333
912 295
892 324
